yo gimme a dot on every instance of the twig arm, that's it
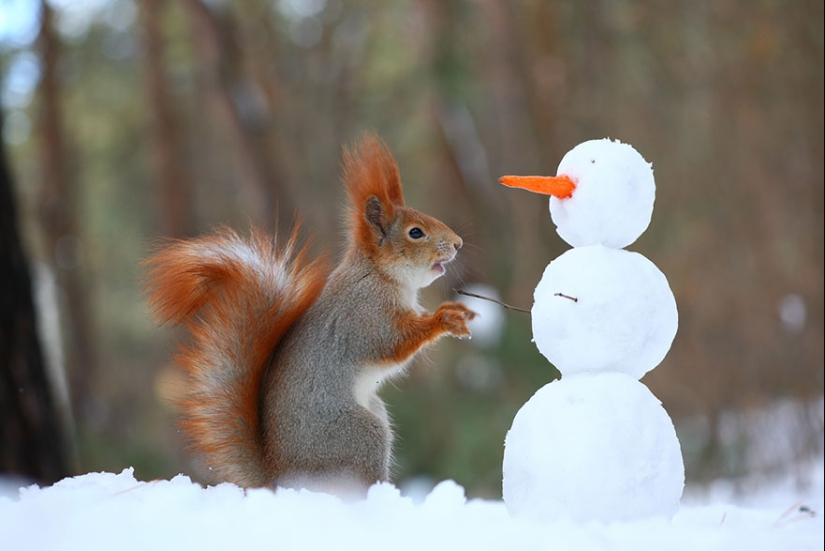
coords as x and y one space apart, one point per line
468 294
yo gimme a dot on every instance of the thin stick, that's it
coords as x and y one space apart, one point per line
574 299
468 294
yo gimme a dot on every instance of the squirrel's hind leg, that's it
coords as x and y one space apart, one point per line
350 454
367 439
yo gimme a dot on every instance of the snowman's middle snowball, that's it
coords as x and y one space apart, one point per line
623 318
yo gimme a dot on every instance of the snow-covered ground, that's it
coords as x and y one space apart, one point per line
110 511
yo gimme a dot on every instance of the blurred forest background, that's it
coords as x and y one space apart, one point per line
129 120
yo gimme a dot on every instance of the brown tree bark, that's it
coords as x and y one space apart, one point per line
58 215
464 171
512 142
219 63
32 443
173 182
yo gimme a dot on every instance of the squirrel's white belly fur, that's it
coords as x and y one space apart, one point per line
369 381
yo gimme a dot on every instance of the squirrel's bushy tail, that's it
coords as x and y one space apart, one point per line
237 297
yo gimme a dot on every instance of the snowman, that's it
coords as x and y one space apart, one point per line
597 444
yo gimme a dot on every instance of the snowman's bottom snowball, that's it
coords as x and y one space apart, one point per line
593 447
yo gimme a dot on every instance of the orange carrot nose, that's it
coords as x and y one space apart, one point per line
557 186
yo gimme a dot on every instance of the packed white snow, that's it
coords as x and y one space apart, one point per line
603 309
613 200
593 447
105 512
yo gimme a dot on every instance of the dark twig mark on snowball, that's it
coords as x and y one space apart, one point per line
568 297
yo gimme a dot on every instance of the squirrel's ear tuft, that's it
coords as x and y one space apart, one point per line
373 184
376 218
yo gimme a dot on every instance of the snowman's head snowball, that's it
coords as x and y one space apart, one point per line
602 194
613 200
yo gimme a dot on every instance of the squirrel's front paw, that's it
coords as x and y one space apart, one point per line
454 317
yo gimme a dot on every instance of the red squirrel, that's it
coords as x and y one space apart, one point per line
285 358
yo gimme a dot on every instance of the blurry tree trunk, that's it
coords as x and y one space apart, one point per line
512 143
219 60
463 159
504 75
58 212
31 441
174 184
287 113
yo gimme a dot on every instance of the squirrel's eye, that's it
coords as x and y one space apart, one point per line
416 233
